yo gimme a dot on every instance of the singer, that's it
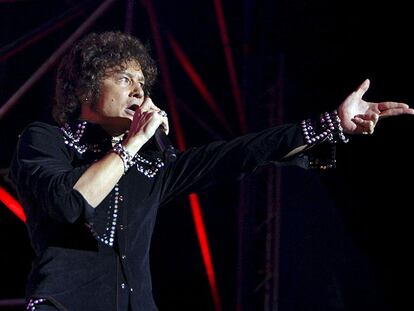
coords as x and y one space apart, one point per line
91 190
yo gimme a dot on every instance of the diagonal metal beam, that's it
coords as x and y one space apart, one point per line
54 57
198 82
200 121
194 202
230 64
35 35
166 80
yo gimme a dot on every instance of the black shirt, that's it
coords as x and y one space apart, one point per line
98 259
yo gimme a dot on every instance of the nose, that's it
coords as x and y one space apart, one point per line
137 91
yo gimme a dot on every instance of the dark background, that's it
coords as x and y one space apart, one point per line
345 235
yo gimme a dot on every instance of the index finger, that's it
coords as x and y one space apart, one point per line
391 105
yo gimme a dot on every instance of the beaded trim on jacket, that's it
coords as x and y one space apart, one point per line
316 131
108 236
148 168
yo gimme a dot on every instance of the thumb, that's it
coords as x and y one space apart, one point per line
363 88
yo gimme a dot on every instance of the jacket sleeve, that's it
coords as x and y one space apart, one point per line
42 171
218 162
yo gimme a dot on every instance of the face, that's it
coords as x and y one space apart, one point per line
121 91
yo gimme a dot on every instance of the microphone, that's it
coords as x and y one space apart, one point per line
164 145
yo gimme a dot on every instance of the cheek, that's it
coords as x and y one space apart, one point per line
105 105
110 104
110 100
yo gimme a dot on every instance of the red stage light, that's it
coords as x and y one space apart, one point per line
12 204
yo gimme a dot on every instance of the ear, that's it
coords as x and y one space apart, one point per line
86 105
85 98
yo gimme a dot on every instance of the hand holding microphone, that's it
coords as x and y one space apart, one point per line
163 142
143 117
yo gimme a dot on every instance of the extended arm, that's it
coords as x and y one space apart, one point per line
358 116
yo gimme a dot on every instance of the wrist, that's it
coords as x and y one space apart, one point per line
332 122
327 127
133 145
123 153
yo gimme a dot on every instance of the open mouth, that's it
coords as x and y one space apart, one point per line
132 108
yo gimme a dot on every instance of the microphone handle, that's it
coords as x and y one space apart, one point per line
165 146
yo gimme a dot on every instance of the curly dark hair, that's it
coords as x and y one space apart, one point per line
81 71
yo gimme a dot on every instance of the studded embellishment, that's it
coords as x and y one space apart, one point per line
108 237
148 168
73 139
33 302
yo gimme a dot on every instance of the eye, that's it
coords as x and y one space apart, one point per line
124 80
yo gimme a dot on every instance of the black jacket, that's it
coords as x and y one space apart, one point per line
98 259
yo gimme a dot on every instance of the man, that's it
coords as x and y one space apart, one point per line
91 193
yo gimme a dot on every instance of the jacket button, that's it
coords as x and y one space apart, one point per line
123 285
123 257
